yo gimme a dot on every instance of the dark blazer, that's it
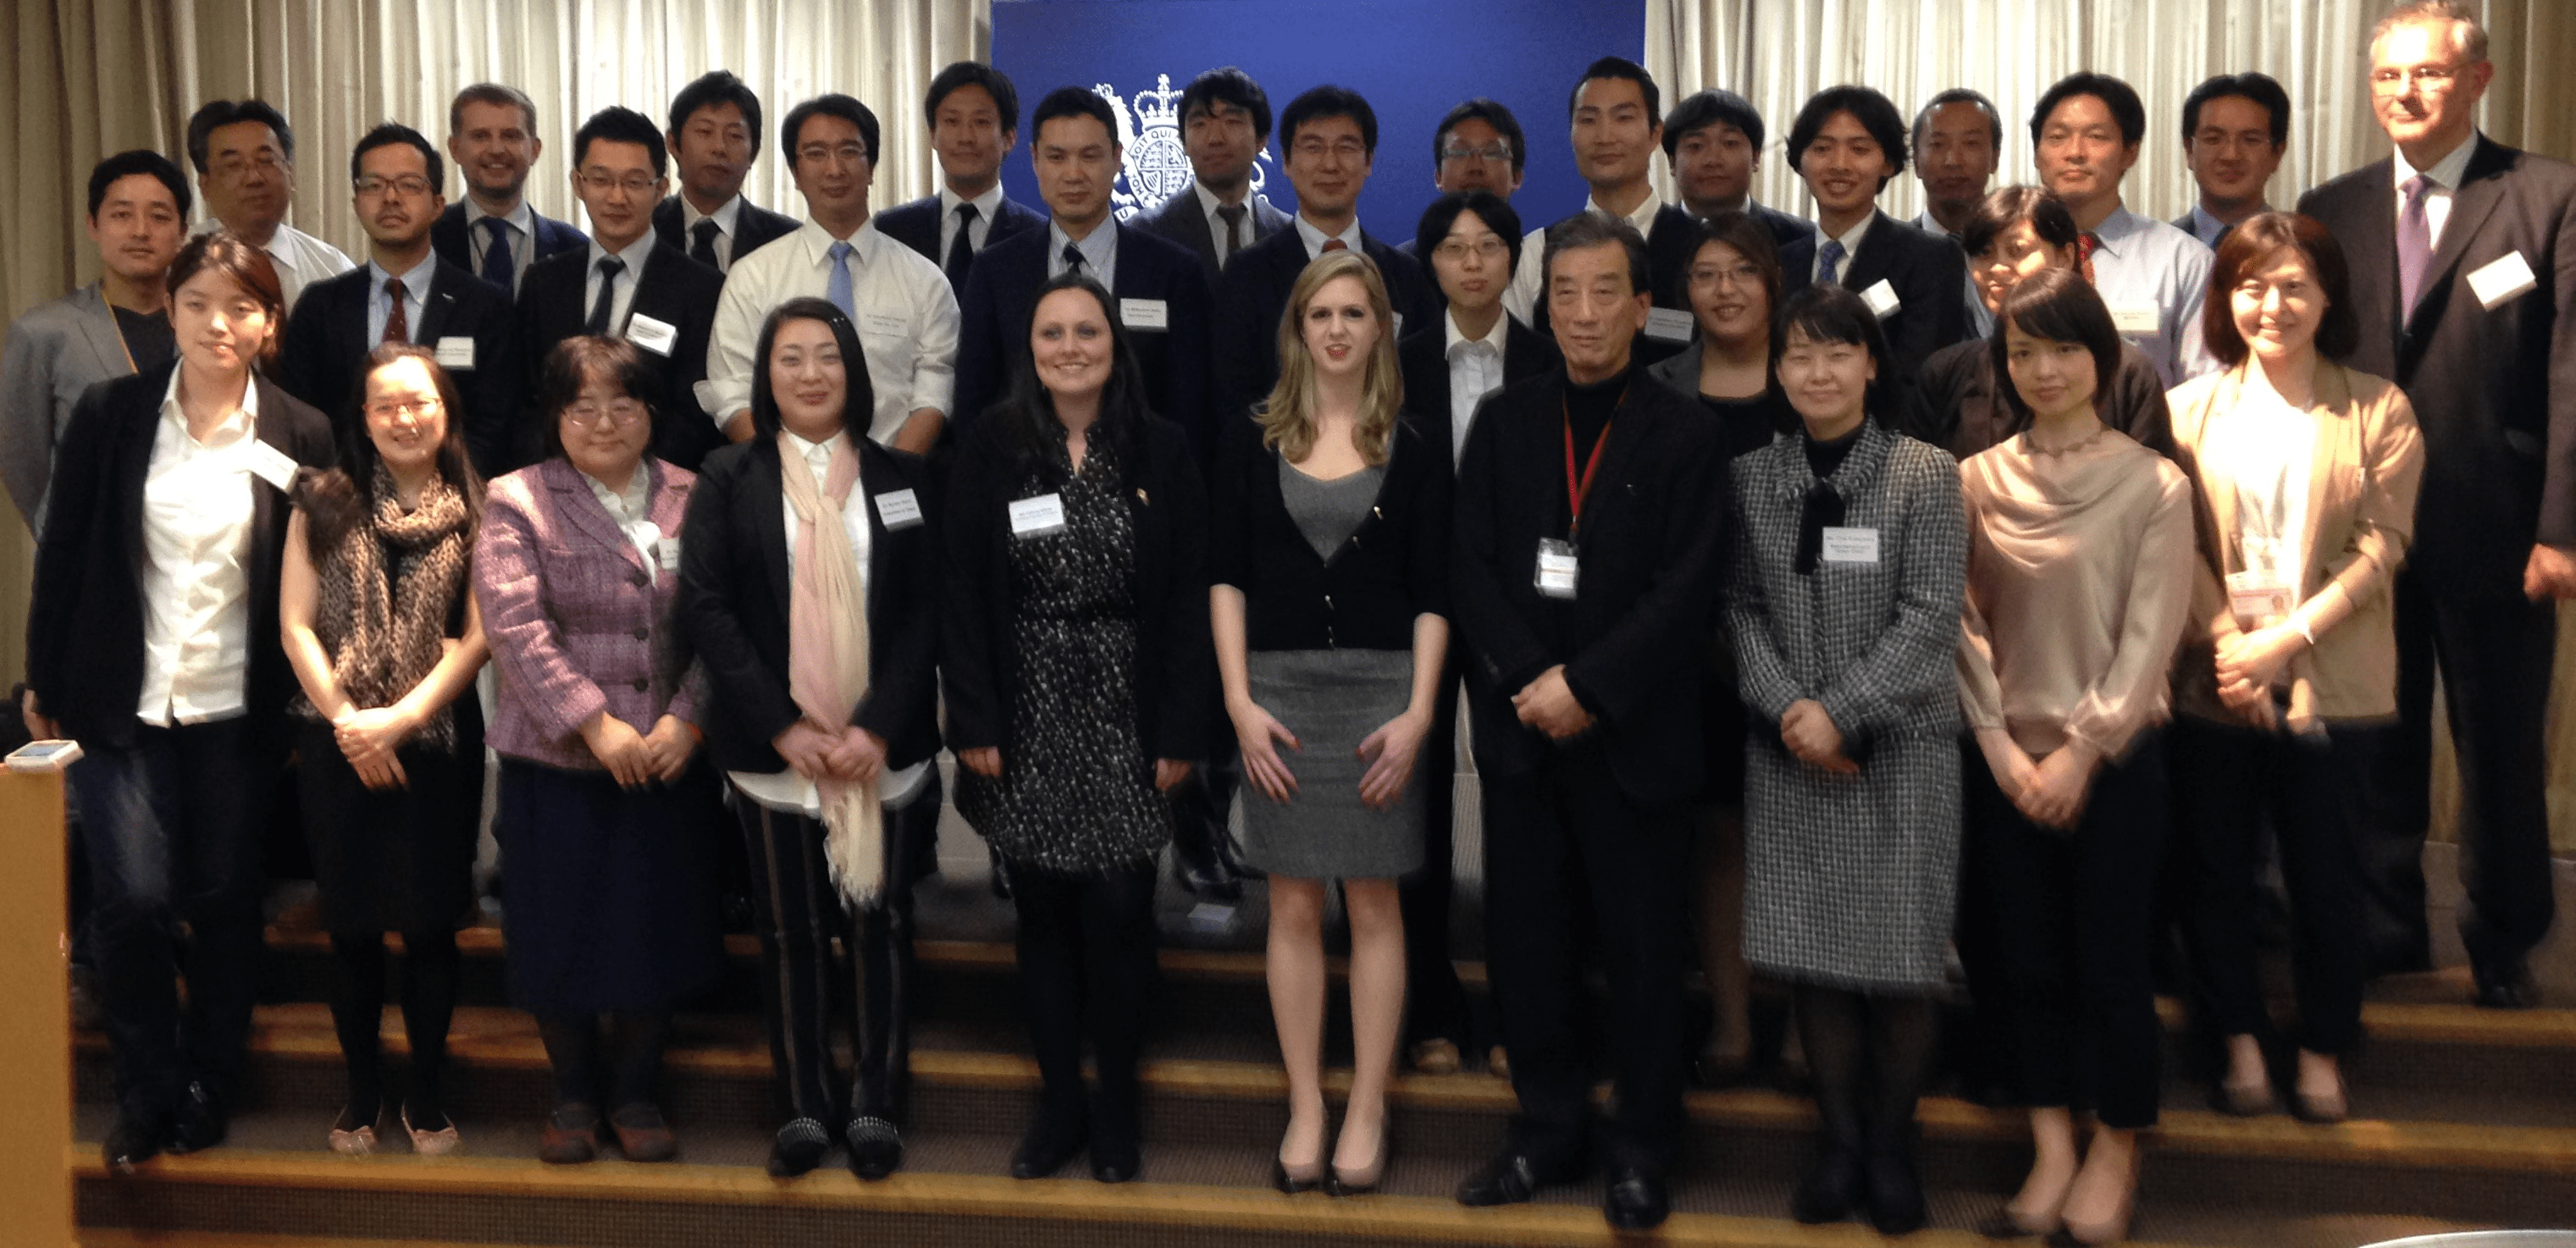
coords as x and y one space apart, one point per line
450 238
1001 297
85 620
1176 664
1254 295
1424 356
1182 220
916 224
734 592
326 346
1391 569
1785 229
672 291
1955 403
755 228
2494 389
1926 270
1632 640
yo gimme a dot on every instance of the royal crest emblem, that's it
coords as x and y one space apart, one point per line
1156 165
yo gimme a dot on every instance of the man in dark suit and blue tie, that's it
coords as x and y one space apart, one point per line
714 137
1225 120
494 233
974 118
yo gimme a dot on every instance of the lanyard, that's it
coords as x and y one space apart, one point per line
1577 489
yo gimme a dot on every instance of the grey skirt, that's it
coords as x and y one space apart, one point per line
1332 700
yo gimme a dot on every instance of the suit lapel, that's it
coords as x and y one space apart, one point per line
439 307
2482 187
769 516
1874 258
99 331
575 502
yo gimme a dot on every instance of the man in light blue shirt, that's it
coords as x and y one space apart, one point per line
2087 129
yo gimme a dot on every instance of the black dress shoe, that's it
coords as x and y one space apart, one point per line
2504 983
1115 1161
1831 1190
199 1123
1509 1178
875 1147
799 1148
1635 1199
1000 879
136 1138
1197 867
1896 1205
1051 1142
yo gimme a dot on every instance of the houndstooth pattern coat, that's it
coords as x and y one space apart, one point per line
1850 880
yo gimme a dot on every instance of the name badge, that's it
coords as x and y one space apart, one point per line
1557 568
2506 278
2259 598
1881 299
455 351
1851 545
1668 324
271 465
655 336
1145 313
1037 517
666 551
900 509
885 323
2137 318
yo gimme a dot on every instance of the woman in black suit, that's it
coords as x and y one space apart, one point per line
808 588
1078 675
153 639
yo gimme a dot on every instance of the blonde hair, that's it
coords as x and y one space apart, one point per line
1288 416
2468 39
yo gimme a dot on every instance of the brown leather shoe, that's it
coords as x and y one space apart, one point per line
642 1135
571 1136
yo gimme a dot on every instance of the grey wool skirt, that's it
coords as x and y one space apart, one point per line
1332 700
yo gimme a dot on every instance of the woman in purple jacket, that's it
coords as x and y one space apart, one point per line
604 815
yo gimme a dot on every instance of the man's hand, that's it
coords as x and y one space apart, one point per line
1549 705
2550 573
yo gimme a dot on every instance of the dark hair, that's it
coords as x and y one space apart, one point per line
1831 313
858 404
1318 103
831 105
491 93
390 134
2118 96
215 113
1875 112
1072 102
2060 306
1619 67
1023 422
718 86
2260 88
621 125
245 266
573 364
339 499
2250 244
1999 211
140 161
1591 229
1490 208
1701 109
1228 85
1752 240
1006 98
1492 113
1964 95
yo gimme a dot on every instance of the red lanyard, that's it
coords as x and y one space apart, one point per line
1577 489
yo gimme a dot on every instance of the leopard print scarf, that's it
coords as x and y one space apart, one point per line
385 631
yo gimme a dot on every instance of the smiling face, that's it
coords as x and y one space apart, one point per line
2423 89
2232 154
1340 328
2278 305
137 228
1715 164
809 379
1844 166
2054 378
1614 136
605 429
396 203
493 148
1473 264
966 131
2016 252
1328 163
2082 154
1070 342
1954 154
618 189
1595 309
833 170
220 325
714 148
406 420
1828 382
1727 296
1077 162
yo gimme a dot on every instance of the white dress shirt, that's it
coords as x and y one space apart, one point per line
1475 370
907 321
1314 237
725 218
632 509
1851 240
300 258
1529 281
2445 176
196 591
622 300
1208 205
380 308
986 205
1099 251
522 221
2148 268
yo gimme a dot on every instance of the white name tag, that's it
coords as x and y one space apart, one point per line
655 336
2508 277
1145 313
455 351
1557 568
1037 517
2137 318
900 509
667 551
2258 598
1881 299
1851 545
1668 324
885 323
1399 326
271 465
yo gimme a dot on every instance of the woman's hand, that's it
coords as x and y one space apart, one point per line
1389 753
2258 658
668 747
2014 772
619 748
983 760
807 749
2055 796
1257 731
858 755
374 733
1169 772
1811 735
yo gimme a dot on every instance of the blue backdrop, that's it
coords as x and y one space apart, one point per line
1413 59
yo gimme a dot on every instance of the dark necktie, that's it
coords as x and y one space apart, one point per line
961 253
609 268
500 268
1829 262
702 243
2414 247
398 321
1233 214
1073 260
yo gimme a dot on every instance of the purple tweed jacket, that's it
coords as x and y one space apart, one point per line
577 621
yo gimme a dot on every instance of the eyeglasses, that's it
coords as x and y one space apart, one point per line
1495 153
1457 249
2429 79
232 165
620 412
388 409
1317 149
600 183
407 184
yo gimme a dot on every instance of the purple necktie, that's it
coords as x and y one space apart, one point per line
2414 247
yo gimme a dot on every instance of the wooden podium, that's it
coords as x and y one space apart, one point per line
35 1014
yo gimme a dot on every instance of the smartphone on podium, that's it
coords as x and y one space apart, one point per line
40 756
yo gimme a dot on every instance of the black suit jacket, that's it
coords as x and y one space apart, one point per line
85 622
325 349
1424 357
916 225
1001 297
733 607
453 242
1254 295
2494 389
1785 229
1182 220
1654 530
755 228
673 291
1927 272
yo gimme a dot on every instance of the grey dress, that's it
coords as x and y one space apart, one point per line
1332 700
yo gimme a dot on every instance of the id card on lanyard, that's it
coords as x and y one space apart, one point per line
1560 562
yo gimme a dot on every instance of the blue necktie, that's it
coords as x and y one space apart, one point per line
499 267
838 288
1829 260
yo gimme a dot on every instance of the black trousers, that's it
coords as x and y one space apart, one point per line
1086 949
2494 659
1559 839
2074 919
2226 780
1436 1008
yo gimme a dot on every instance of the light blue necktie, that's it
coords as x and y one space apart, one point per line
838 289
1829 261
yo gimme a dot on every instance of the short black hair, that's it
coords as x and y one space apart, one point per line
1701 109
1006 98
1073 102
143 161
1490 208
1492 113
202 124
1751 239
2259 87
1826 312
2060 306
718 86
1319 103
1875 112
572 364
2046 213
1591 229
1964 95
389 134
621 125
834 104
1619 67
491 93
1229 85
2118 96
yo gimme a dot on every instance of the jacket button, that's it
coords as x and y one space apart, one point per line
642 632
642 684
640 581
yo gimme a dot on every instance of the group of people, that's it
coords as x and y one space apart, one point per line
1828 596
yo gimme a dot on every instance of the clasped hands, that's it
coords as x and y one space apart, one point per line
1811 735
2050 791
1389 753
986 761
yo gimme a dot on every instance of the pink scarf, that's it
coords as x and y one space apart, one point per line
827 655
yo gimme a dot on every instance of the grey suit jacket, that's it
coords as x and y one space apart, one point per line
56 351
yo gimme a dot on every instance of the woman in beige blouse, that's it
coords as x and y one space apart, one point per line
2079 577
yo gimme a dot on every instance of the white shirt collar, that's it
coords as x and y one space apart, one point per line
1850 238
818 242
630 504
634 255
725 216
240 422
522 218
2447 171
1644 217
817 455
2117 228
415 283
1099 248
1315 238
1209 203
986 204
1493 338
1930 224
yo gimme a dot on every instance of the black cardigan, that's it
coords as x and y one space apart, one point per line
733 606
1175 662
1956 405
1394 567
85 623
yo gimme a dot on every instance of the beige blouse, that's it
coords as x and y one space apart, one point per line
2079 579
